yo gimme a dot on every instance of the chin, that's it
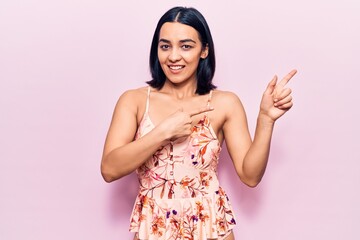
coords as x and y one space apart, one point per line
176 81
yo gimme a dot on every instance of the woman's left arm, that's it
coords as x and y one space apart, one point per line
250 157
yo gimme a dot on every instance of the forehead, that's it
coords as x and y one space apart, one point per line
178 31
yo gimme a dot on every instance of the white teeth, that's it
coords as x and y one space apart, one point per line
175 67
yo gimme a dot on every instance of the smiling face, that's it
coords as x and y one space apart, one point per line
179 52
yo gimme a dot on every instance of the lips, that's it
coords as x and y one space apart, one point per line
176 67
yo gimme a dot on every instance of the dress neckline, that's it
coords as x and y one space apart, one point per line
205 118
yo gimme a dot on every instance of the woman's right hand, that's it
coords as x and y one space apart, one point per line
178 124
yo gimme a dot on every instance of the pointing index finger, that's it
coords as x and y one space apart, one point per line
287 78
200 110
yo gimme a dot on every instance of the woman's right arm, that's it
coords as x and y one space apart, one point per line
122 154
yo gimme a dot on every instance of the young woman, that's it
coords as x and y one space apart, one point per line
171 133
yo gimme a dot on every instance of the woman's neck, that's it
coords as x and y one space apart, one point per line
179 91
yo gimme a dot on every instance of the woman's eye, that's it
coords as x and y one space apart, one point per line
186 47
164 47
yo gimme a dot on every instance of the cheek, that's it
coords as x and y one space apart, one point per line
192 56
162 56
192 59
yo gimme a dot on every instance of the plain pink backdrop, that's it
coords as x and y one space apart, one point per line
63 65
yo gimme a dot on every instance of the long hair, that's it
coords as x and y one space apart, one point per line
206 67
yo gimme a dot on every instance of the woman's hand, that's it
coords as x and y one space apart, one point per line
277 99
178 124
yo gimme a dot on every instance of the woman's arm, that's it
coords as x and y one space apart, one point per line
122 154
250 157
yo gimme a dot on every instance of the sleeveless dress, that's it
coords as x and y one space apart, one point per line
180 196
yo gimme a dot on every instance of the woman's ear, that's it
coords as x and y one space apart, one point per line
205 52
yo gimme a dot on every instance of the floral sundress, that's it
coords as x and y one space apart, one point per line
179 195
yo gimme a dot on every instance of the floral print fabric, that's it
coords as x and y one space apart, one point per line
179 195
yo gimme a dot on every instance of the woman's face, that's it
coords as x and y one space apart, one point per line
179 52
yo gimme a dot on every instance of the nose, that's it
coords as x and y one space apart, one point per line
174 55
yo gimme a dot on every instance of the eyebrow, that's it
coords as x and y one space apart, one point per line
181 41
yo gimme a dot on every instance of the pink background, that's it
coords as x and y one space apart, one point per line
63 64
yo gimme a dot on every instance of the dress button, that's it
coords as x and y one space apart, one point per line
171 173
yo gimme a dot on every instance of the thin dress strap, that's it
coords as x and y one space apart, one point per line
208 102
209 99
147 100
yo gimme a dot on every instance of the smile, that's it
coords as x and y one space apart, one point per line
176 67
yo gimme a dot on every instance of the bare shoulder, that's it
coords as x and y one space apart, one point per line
131 101
227 104
132 97
226 99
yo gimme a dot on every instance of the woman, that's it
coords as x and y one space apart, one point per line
171 133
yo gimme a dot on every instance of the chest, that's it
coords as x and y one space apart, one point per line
161 107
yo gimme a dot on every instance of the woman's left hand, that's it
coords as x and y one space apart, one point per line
277 99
